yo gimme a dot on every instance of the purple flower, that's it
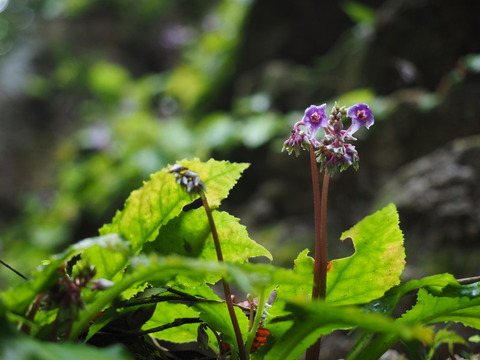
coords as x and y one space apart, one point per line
333 151
296 142
361 115
315 118
335 154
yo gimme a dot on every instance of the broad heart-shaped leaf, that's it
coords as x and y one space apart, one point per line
313 319
189 235
161 199
376 265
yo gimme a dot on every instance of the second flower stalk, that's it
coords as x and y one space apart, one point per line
331 153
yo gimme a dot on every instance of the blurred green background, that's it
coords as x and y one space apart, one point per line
97 95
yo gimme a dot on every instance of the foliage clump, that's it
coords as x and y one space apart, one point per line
146 283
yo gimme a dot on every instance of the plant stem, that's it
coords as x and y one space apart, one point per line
258 317
321 247
226 288
14 270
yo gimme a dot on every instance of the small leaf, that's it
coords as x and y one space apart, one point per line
448 337
376 265
474 339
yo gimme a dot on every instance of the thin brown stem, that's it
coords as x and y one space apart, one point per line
323 256
13 269
320 200
174 323
469 280
226 287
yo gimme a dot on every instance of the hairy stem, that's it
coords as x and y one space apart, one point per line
226 288
321 246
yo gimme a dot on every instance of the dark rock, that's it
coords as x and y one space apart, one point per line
439 203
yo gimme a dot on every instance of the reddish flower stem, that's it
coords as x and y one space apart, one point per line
226 287
320 200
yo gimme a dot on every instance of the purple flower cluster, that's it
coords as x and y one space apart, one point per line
332 151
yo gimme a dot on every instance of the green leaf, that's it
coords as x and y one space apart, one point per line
130 318
217 316
300 287
359 12
189 235
251 278
109 254
431 309
313 319
435 284
161 199
376 265
150 269
162 271
23 347
107 80
185 235
474 339
19 298
166 313
448 337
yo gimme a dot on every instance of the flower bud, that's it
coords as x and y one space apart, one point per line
188 179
